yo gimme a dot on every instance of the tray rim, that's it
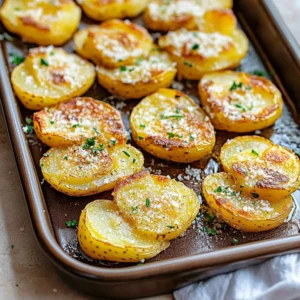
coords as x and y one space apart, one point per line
42 223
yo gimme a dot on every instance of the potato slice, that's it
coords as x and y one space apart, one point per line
102 10
262 168
46 22
243 212
49 76
156 206
90 168
104 234
190 14
139 80
239 102
169 125
197 53
74 121
114 43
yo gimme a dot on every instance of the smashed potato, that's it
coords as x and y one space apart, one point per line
74 121
90 168
169 125
141 79
102 10
243 212
114 43
167 16
263 169
49 76
157 206
197 53
104 234
240 102
43 22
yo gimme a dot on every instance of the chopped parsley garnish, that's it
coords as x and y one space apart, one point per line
113 142
258 73
44 62
71 223
139 60
255 195
52 53
96 131
141 138
76 125
95 150
218 190
236 86
28 120
171 135
123 69
89 143
51 122
240 106
235 241
126 153
16 59
248 87
195 46
192 138
66 157
41 165
134 209
134 160
147 202
28 129
212 232
46 154
170 226
171 116
254 152
142 126
209 218
186 63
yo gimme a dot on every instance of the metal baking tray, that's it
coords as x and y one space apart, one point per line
196 255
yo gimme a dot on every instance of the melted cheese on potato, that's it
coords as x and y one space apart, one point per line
261 168
114 43
191 14
76 120
140 79
198 52
109 9
104 234
49 76
240 211
169 125
240 102
156 205
90 168
41 21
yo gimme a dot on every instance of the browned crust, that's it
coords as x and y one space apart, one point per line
29 21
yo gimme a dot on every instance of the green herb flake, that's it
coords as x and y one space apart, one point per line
209 218
212 232
141 138
44 62
170 226
123 69
41 165
255 195
186 63
139 61
126 153
134 209
51 122
76 125
95 150
240 106
171 116
66 157
258 73
235 241
218 190
12 246
142 126
71 224
192 138
147 202
236 86
28 129
113 142
171 135
28 120
248 88
195 47
254 152
134 160
16 59
96 131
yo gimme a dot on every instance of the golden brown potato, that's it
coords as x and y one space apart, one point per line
263 169
141 79
239 102
102 10
74 121
197 53
209 4
43 22
171 15
114 43
243 212
49 76
169 125
156 206
90 168
104 234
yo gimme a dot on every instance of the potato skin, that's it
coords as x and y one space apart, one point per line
102 10
78 172
49 76
55 26
254 106
139 80
270 171
197 53
158 207
74 121
114 43
242 212
151 122
123 245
